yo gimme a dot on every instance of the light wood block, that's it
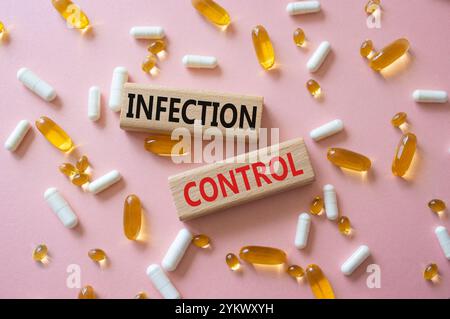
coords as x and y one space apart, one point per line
239 179
160 110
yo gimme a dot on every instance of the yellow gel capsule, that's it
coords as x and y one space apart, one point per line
299 37
320 286
316 207
348 159
431 272
232 261
344 225
389 54
54 134
371 6
97 255
82 164
437 205
87 292
398 119
148 64
132 217
2 29
141 295
162 145
314 88
262 255
212 11
404 154
295 271
201 241
366 48
40 252
67 169
263 47
80 179
71 13
156 46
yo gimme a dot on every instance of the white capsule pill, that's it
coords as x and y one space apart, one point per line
60 207
430 96
152 32
303 225
35 84
356 259
302 7
200 61
176 250
104 182
326 130
329 197
120 77
444 240
162 283
15 138
319 56
94 103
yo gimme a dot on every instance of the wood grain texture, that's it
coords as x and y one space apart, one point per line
187 186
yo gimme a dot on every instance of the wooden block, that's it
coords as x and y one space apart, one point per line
241 179
160 110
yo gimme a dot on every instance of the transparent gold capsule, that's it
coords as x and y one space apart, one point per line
162 145
437 205
366 48
201 241
404 154
71 13
398 119
232 261
87 292
97 255
344 225
261 255
295 271
371 6
263 47
132 217
54 134
314 88
40 252
156 46
212 11
389 54
299 37
316 207
67 169
80 179
82 164
141 295
2 29
149 63
348 159
320 286
431 272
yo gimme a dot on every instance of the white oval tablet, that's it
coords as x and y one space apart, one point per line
36 85
430 96
319 56
302 7
356 259
120 77
15 138
200 61
102 183
176 250
326 130
303 225
162 283
60 207
147 32
444 240
94 103
329 198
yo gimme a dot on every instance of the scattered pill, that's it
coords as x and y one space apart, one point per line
262 255
201 241
371 6
314 88
60 207
79 179
2 30
302 7
94 107
344 225
389 54
97 255
399 119
162 283
316 207
431 272
356 259
404 154
444 240
348 159
232 262
163 145
295 271
320 286
263 47
149 63
132 217
437 205
177 250
302 233
366 48
36 85
430 96
82 164
156 47
326 130
104 182
150 32
299 37
71 13
67 169
54 134
331 208
319 56
17 135
141 295
199 61
120 77
212 11
40 252
87 292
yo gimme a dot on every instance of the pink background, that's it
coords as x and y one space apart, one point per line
388 213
